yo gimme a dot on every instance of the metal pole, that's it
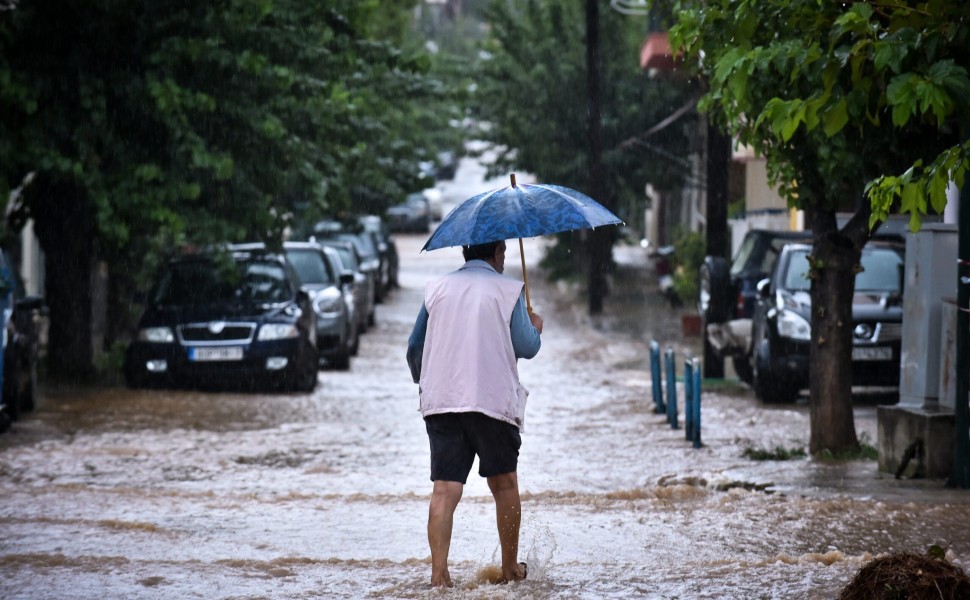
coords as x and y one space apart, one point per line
671 388
688 398
696 388
656 379
960 476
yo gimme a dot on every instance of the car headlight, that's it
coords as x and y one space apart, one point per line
328 304
277 331
156 335
793 326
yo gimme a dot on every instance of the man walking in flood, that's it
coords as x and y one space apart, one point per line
470 331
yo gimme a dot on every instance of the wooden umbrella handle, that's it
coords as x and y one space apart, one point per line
525 277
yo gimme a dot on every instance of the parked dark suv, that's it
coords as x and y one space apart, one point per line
728 294
20 346
781 324
234 319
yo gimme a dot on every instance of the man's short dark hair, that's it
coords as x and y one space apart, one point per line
480 251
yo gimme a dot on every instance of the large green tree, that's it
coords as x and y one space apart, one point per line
843 99
130 128
533 99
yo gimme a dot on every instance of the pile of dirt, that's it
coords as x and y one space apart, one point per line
910 577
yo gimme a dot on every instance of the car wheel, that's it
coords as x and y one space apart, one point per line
4 421
306 379
371 319
742 366
714 301
355 344
27 403
767 387
11 398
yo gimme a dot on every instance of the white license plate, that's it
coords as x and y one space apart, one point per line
872 353
216 353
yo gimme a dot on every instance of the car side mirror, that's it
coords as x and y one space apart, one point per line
764 288
347 278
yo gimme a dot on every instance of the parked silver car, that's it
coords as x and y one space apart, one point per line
364 281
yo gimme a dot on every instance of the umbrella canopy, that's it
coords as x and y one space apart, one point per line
518 211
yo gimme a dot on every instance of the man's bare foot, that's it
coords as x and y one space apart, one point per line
441 581
517 573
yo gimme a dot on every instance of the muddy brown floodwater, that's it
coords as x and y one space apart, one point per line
109 493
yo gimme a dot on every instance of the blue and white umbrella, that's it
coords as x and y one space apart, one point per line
519 211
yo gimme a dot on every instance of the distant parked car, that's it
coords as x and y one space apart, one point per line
781 324
362 288
728 294
20 346
371 260
230 320
411 216
385 246
446 164
337 332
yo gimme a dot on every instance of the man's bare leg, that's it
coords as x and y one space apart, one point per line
508 514
441 516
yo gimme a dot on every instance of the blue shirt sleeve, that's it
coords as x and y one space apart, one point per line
525 337
416 343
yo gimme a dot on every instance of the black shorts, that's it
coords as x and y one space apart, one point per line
457 437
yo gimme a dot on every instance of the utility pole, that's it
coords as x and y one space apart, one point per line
599 242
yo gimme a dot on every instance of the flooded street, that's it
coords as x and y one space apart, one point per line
171 494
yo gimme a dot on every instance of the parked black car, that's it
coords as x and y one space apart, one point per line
231 319
20 346
728 294
781 324
337 333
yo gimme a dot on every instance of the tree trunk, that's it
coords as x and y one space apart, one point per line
836 257
716 234
65 227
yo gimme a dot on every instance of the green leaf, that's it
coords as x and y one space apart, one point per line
835 118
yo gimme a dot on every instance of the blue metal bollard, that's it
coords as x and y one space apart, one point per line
688 398
696 388
656 378
671 388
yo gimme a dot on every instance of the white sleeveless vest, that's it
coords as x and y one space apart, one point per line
468 364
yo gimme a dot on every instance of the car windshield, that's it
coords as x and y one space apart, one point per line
796 277
346 257
311 267
203 282
881 271
757 254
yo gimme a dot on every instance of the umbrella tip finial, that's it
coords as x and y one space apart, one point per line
512 177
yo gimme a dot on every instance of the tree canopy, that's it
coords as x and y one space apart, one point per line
834 92
211 121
